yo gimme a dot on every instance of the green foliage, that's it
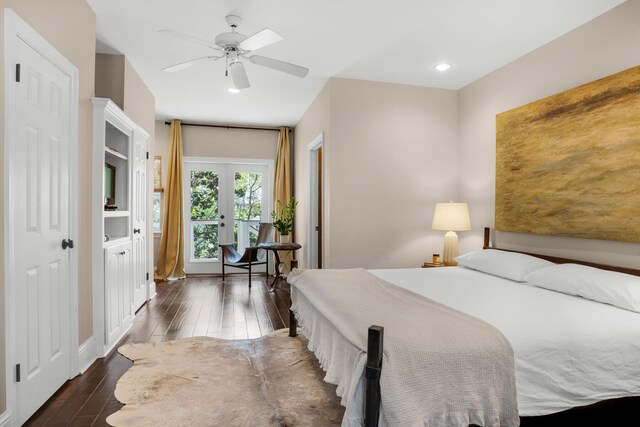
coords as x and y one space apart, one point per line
204 207
283 219
248 195
205 241
204 195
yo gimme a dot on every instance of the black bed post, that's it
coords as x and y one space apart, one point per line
372 376
293 324
487 234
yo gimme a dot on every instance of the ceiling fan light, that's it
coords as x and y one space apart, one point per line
233 90
443 66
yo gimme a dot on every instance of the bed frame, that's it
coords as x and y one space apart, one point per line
589 415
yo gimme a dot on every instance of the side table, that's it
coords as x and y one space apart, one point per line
276 247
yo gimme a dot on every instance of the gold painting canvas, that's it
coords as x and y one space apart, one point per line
569 165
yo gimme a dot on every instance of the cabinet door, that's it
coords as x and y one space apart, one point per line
113 307
139 219
126 285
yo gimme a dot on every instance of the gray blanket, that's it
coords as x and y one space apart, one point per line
441 367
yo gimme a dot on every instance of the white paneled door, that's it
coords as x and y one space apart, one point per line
40 188
139 219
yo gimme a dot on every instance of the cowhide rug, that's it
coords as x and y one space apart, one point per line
270 381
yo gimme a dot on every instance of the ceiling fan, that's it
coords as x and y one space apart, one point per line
233 46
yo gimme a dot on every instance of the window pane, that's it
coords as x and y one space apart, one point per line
248 195
205 241
248 208
204 195
157 209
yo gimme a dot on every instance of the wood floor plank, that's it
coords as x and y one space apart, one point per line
262 313
74 403
93 406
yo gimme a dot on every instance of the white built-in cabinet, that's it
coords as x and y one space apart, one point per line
119 221
118 296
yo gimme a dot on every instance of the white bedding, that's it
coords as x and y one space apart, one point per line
569 351
466 366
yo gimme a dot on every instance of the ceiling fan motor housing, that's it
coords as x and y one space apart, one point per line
229 40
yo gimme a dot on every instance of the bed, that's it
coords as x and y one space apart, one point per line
569 351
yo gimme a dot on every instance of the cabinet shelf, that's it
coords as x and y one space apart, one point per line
115 153
115 242
115 214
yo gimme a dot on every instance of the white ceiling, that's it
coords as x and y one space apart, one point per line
379 40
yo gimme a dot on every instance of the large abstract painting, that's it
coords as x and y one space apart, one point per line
569 165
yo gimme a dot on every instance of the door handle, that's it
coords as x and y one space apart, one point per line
67 244
122 253
136 231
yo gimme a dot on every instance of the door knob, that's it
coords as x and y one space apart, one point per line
222 224
221 216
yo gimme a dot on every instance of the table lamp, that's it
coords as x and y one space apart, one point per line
451 217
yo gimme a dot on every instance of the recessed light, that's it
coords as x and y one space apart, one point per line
233 90
443 66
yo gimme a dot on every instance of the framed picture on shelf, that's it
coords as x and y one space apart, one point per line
109 184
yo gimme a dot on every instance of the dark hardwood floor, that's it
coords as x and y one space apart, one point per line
203 306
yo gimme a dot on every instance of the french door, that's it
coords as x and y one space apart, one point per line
224 203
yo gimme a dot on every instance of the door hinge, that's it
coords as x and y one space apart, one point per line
18 373
147 155
147 276
18 73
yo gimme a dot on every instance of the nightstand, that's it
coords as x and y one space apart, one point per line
432 265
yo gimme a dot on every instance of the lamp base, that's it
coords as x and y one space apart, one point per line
450 250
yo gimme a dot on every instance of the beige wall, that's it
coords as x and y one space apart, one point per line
604 46
140 105
110 77
390 155
215 142
70 26
315 121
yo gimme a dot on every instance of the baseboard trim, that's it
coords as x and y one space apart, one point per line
5 419
240 273
152 289
87 354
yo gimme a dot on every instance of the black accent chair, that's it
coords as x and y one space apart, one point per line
252 255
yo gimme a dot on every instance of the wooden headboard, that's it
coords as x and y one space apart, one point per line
558 260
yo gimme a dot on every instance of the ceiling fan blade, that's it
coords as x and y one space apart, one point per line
190 38
260 39
239 75
276 64
187 64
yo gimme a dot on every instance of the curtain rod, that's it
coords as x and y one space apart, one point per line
227 126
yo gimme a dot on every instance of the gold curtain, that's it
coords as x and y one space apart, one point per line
282 190
171 256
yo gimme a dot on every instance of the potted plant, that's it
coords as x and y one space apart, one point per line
283 219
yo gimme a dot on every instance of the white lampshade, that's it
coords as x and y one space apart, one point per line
451 217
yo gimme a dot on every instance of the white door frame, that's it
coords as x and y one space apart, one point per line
14 28
312 244
229 198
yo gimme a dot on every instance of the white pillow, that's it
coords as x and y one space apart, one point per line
510 265
609 287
